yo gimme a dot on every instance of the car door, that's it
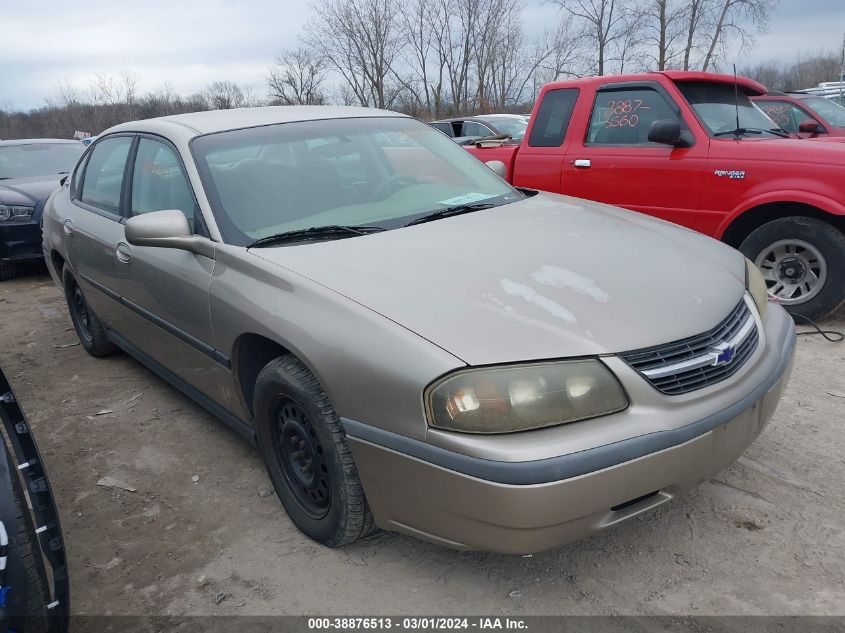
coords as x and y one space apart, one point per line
92 223
164 289
617 164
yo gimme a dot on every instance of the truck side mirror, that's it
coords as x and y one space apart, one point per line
810 127
667 132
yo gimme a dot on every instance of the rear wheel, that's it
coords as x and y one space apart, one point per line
803 262
88 327
307 456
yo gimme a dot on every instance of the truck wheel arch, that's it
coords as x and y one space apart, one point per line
740 224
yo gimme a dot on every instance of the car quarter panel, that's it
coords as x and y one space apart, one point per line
371 368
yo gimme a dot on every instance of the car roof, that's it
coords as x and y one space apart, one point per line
210 121
33 141
748 85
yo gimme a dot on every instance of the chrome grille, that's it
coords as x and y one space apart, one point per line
699 361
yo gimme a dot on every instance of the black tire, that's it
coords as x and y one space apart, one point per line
88 327
31 617
7 272
307 456
825 239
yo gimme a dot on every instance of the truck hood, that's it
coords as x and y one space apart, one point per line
546 277
827 151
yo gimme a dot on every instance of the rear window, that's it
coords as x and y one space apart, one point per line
553 117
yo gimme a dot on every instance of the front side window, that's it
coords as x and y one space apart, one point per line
786 115
716 105
624 117
158 181
26 160
382 172
103 180
514 126
829 110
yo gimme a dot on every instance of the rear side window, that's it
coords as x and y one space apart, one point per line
474 128
623 117
104 174
553 117
446 128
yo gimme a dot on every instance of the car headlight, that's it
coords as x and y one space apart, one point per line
523 397
756 286
15 213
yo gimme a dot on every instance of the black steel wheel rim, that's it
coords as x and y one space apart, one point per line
83 316
302 459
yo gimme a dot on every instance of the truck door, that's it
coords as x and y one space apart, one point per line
615 162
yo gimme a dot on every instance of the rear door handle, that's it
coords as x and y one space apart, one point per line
68 225
582 163
123 253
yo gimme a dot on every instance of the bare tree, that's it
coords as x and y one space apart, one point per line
605 24
361 40
662 24
298 76
735 20
224 95
694 21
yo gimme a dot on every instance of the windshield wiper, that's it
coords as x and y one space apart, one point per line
740 132
450 211
316 232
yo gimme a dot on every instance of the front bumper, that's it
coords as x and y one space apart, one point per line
523 507
20 243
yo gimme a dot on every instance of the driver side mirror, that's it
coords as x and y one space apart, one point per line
667 132
166 229
810 126
498 168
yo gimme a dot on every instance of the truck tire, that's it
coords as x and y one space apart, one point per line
88 327
803 262
307 455
7 272
31 615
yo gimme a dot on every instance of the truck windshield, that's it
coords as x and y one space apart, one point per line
372 172
830 110
716 106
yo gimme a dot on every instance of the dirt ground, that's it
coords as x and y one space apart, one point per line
203 535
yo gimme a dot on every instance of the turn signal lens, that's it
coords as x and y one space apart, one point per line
756 286
519 398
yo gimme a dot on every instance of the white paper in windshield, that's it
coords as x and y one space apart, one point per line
467 198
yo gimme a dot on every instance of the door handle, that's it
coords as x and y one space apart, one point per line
123 253
68 226
582 163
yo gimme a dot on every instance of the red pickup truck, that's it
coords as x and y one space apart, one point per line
692 148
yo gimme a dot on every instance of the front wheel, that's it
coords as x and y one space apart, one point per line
803 262
307 456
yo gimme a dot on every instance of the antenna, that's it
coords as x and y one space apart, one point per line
736 99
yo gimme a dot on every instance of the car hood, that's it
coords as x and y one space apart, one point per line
792 151
28 191
546 277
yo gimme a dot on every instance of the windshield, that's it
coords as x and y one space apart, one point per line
716 106
380 171
38 159
515 127
828 109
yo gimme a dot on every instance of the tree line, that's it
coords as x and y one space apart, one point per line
438 58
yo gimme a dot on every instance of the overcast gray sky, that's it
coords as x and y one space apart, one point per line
189 43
